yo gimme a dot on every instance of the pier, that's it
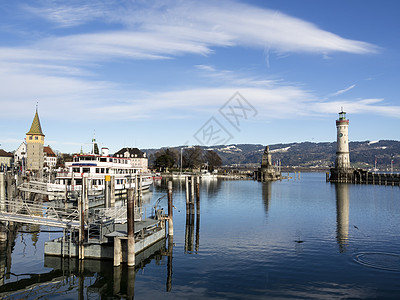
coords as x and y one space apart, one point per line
364 177
108 232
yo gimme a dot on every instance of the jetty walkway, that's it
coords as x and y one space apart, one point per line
20 211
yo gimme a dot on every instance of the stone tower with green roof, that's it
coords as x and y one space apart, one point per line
34 146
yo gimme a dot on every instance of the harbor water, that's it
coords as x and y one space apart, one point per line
301 238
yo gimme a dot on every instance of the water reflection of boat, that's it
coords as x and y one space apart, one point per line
157 176
207 175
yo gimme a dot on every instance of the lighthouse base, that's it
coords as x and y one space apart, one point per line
341 175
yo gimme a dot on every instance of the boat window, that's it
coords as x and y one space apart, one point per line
103 159
75 170
97 170
85 170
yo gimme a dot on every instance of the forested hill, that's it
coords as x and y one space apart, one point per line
307 154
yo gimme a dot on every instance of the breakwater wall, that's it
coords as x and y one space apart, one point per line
363 177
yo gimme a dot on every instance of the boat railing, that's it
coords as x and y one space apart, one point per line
64 174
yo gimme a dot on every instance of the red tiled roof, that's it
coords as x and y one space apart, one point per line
49 151
5 153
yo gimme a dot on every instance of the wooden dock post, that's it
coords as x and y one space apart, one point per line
2 192
136 189
130 215
66 195
192 195
112 191
85 194
187 194
169 262
198 195
81 210
117 251
170 213
107 181
140 188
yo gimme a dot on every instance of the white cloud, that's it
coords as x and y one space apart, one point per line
360 106
156 30
343 91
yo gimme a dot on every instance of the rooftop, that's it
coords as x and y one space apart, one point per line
36 129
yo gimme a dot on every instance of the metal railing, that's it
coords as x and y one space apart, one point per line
24 212
40 187
118 214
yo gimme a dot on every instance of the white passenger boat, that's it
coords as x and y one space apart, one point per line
99 169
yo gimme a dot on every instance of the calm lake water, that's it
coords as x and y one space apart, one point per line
300 239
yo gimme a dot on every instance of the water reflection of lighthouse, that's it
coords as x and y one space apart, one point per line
342 215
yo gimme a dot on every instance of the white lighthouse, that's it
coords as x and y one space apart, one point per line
342 151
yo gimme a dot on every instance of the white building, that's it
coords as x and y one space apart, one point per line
20 155
49 157
138 158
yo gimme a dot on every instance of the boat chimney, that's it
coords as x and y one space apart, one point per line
105 151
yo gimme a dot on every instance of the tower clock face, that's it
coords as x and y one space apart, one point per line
340 134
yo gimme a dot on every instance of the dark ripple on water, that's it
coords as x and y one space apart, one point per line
379 260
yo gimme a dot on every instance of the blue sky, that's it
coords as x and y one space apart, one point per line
149 74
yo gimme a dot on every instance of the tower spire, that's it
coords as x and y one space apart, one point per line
36 128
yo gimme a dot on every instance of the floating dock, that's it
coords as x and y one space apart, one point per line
102 243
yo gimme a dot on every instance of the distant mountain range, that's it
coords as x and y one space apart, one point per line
307 154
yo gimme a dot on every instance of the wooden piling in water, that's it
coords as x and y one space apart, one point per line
169 262
140 188
170 213
117 251
187 194
81 210
85 194
107 191
192 187
198 195
112 191
2 191
130 215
